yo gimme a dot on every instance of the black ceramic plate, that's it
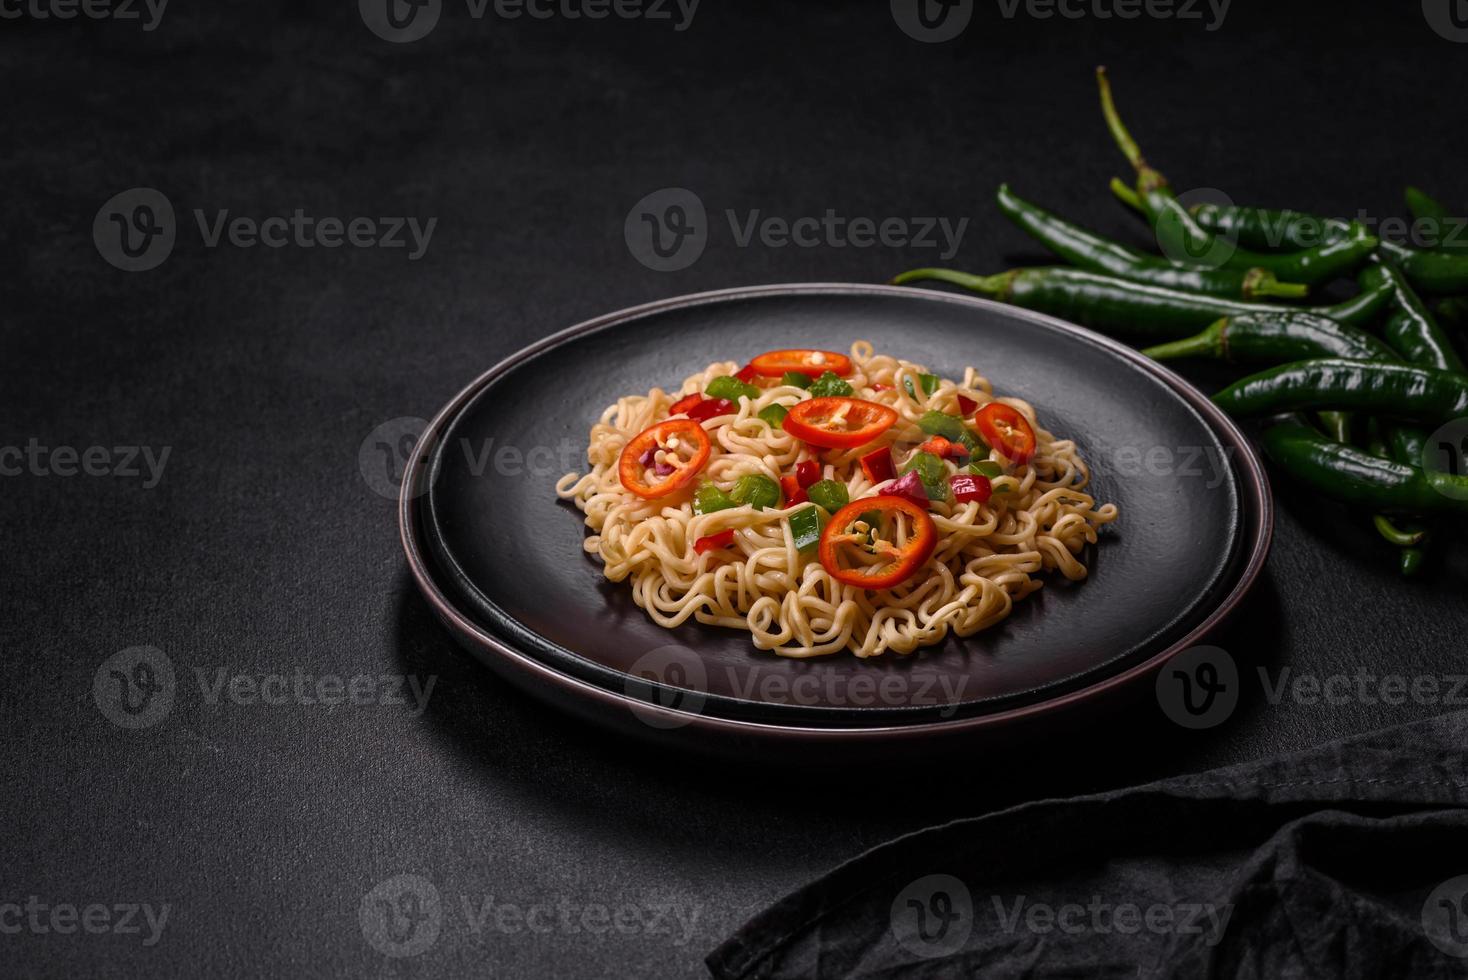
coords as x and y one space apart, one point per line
499 548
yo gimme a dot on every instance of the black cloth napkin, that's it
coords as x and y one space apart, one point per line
1347 860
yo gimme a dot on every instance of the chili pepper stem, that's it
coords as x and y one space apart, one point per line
1147 178
1396 535
1262 282
1124 193
1210 342
996 285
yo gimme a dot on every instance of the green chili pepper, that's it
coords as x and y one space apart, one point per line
1423 205
929 382
950 427
828 494
1114 305
1183 239
774 415
1336 424
1396 390
829 385
1090 251
1361 309
986 467
1357 477
709 498
1412 329
1274 339
806 525
796 379
1439 272
730 388
756 490
1401 537
932 473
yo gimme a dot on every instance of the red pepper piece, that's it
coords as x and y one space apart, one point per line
878 466
966 406
683 404
807 472
747 374
794 492
909 488
711 408
721 540
976 487
943 448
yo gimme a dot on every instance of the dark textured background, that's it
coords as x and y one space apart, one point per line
264 550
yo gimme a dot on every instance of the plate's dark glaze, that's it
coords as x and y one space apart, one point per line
510 553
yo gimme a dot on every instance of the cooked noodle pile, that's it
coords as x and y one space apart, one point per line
988 554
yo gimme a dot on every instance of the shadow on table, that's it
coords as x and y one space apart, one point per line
575 768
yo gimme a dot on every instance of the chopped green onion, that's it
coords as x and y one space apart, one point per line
796 379
829 385
929 382
1003 489
731 389
828 494
710 498
806 525
757 491
774 415
986 467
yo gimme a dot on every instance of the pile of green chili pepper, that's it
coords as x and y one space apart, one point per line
1353 393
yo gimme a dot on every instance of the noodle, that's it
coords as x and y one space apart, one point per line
988 554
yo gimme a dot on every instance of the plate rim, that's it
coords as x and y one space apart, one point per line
1256 502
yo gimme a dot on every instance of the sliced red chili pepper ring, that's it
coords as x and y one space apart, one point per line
1006 430
836 422
677 443
888 554
773 364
